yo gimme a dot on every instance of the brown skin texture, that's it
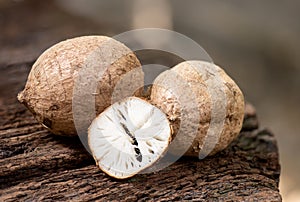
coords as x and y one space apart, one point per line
49 89
182 84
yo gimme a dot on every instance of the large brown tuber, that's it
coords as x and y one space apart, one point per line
188 96
49 89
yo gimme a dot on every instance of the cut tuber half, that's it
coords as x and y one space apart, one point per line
128 137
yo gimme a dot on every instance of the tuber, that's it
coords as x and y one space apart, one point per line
184 95
128 137
49 89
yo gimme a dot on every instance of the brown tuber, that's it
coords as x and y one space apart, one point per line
204 105
49 89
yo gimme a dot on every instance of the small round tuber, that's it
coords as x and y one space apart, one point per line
49 89
186 93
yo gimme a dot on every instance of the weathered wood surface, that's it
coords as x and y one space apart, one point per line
36 165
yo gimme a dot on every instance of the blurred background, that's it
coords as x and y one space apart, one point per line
257 43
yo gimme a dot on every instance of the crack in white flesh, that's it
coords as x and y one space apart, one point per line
128 137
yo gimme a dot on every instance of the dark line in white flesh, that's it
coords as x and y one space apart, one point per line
138 153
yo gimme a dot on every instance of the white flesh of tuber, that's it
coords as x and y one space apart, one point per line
128 137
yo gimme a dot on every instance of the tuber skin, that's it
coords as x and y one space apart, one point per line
49 89
179 85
